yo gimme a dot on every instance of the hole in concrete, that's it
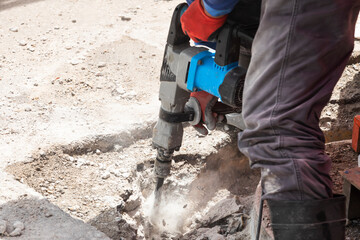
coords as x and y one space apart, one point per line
112 190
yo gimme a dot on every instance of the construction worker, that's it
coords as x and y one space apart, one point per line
299 53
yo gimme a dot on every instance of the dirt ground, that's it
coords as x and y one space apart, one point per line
79 97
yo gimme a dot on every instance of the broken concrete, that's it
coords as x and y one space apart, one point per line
221 210
132 203
207 233
60 101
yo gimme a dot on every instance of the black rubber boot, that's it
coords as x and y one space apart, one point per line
309 220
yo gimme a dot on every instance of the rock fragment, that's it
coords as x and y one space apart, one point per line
48 214
118 91
222 210
236 224
105 175
126 194
132 203
22 43
101 64
74 208
205 233
120 208
74 62
140 167
3 225
82 162
19 226
42 153
14 29
126 230
126 19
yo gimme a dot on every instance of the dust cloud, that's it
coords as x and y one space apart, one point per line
168 215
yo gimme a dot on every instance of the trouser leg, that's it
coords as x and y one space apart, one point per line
322 219
299 52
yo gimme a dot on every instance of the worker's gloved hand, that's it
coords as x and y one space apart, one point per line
202 103
198 24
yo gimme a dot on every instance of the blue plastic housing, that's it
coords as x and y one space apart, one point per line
205 75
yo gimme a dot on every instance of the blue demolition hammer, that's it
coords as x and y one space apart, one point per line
185 69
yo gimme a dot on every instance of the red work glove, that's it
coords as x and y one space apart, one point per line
198 25
204 102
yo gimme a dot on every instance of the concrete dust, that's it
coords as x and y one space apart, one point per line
168 215
177 214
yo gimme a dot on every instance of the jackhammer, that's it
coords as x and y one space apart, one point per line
185 69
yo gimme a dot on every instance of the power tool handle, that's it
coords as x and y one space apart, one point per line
176 35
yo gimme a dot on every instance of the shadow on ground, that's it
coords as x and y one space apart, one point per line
43 220
6 4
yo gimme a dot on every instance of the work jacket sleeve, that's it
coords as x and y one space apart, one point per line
218 7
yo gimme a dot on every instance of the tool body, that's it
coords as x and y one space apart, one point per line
185 69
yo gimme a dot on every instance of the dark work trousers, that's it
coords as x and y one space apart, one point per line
299 52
